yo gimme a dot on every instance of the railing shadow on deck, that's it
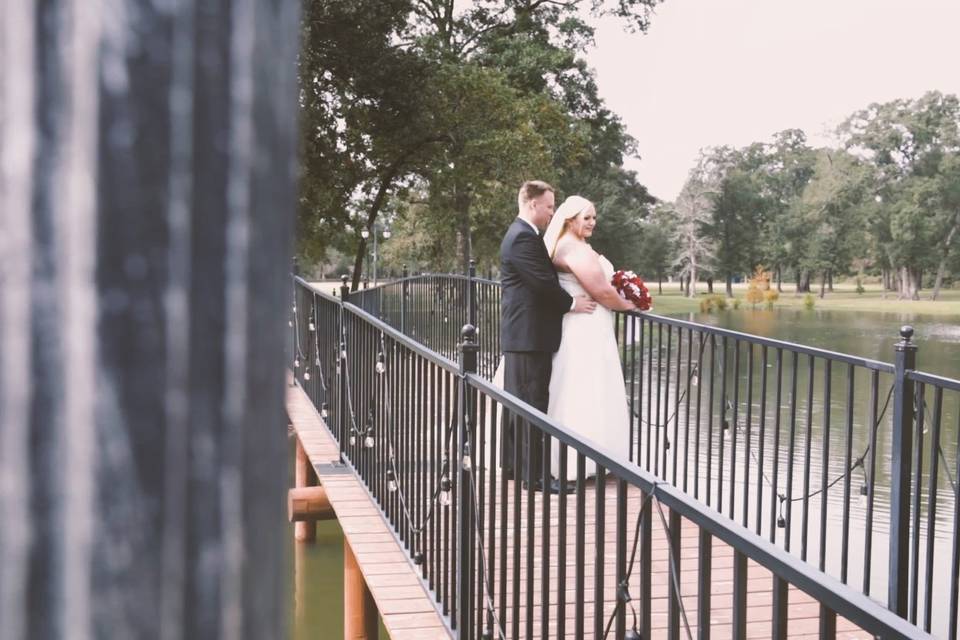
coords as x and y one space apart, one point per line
718 421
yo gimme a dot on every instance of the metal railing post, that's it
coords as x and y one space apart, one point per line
466 518
343 414
905 359
472 293
403 300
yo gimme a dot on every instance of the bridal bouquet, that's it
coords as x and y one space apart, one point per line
631 286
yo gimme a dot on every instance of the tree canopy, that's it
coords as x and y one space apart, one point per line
431 118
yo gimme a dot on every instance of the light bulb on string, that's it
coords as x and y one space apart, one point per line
381 366
391 481
726 430
695 378
324 410
467 461
296 363
306 374
290 322
445 497
864 494
632 634
368 441
312 326
353 439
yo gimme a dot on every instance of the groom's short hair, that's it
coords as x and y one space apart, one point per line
532 189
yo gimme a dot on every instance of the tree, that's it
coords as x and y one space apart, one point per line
365 121
693 211
911 143
736 217
783 170
831 213
452 108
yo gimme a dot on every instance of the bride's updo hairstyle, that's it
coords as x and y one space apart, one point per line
570 209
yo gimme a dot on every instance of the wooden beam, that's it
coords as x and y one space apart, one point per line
306 505
305 529
360 617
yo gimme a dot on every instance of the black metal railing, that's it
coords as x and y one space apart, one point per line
422 431
796 442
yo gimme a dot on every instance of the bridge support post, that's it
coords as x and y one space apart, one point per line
303 475
360 617
901 451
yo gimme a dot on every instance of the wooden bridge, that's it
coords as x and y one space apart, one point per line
380 577
458 548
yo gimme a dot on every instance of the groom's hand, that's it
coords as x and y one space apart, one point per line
584 304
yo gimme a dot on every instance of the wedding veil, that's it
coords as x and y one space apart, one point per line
570 208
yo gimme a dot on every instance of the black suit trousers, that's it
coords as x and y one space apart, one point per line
526 375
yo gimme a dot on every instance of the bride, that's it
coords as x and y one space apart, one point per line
587 392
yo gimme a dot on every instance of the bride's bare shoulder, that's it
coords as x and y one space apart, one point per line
579 253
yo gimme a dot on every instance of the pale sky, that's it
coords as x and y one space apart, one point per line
711 72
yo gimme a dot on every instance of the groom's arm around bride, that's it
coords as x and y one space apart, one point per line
532 307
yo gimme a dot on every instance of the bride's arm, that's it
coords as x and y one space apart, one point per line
585 265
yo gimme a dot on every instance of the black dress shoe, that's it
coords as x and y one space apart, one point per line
555 487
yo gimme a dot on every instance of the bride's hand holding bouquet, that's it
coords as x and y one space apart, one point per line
632 288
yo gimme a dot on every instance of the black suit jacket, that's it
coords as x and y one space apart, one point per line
533 302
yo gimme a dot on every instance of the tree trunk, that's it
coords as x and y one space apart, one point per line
908 283
710 285
465 242
779 280
823 284
143 443
729 285
692 280
945 252
660 284
829 281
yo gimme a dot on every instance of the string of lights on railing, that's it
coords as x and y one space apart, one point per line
782 498
943 457
692 379
441 492
858 462
623 588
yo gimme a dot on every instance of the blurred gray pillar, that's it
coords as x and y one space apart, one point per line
147 167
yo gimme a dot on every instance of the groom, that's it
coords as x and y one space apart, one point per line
531 314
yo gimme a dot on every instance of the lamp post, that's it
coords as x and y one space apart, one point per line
365 233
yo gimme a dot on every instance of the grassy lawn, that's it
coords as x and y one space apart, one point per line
843 298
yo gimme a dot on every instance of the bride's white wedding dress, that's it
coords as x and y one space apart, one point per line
587 392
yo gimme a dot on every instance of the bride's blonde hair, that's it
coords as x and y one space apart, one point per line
570 209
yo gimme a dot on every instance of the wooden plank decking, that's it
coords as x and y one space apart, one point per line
404 605
409 611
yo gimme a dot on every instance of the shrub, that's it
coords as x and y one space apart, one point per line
809 301
758 284
770 296
713 302
736 303
860 288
